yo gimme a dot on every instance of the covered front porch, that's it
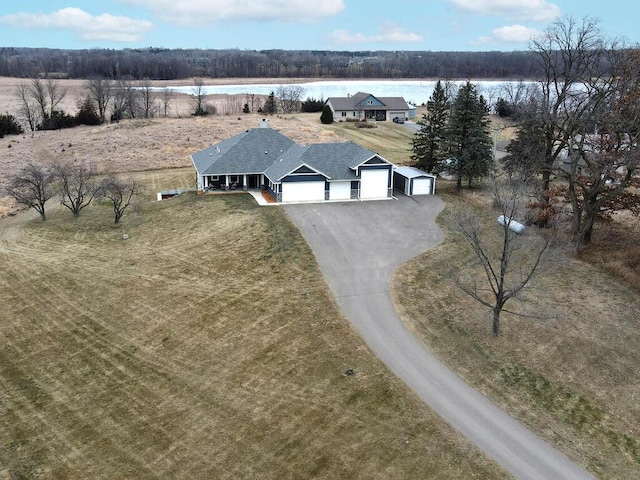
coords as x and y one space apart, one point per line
378 115
228 182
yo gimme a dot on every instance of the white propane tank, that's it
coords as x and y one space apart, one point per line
513 225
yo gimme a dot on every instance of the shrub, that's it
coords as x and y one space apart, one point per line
87 113
9 125
327 115
58 120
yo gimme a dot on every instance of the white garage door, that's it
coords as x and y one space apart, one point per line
340 190
373 183
421 186
302 191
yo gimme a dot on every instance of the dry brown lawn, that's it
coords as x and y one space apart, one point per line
207 345
573 378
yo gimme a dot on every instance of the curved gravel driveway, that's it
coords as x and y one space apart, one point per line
359 245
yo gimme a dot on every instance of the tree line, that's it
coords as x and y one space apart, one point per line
574 159
76 184
175 64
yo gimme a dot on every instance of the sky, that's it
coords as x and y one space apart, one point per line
431 25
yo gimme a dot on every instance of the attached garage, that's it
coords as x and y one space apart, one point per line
374 183
303 191
340 190
412 181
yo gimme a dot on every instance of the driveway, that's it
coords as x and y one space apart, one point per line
359 245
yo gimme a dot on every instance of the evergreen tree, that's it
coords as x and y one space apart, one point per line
427 153
87 112
327 115
526 152
467 137
270 106
9 125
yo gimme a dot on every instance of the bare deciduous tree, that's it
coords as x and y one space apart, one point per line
167 96
120 193
198 96
28 107
587 117
55 94
32 186
289 97
78 185
509 261
147 98
100 91
47 95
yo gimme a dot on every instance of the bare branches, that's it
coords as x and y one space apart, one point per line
120 193
100 91
289 97
77 184
32 186
508 261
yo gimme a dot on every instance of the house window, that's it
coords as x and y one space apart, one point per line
344 114
369 102
354 114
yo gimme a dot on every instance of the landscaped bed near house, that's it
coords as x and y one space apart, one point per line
573 378
206 345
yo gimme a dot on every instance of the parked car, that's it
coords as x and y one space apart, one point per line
398 119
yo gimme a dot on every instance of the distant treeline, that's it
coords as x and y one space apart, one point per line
175 64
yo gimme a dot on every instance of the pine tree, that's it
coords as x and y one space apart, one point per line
327 115
270 107
427 151
468 141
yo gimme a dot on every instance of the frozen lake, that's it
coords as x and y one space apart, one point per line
413 91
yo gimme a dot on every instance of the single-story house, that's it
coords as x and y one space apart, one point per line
364 106
413 181
262 158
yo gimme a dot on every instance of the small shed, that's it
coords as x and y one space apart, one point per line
413 181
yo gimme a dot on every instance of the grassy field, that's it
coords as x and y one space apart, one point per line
205 346
390 140
573 378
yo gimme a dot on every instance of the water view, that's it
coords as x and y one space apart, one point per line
413 91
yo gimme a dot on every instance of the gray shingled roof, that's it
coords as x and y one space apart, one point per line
263 150
335 161
252 151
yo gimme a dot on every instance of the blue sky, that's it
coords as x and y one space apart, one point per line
436 25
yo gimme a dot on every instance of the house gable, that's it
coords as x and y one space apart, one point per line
369 101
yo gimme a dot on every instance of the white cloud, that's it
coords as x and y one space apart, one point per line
202 12
530 10
509 34
83 24
391 34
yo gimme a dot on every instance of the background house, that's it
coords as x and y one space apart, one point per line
363 106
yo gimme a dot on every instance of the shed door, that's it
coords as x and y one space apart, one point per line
374 183
421 186
303 191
